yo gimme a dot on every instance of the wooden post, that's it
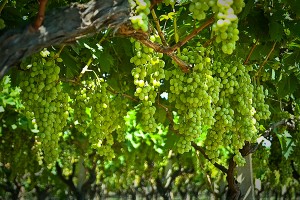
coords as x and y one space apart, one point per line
245 178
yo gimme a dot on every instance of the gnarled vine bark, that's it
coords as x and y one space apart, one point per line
61 26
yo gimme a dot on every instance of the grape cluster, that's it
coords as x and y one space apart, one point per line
194 95
141 9
262 109
119 105
219 96
225 27
79 105
147 75
44 100
101 115
198 9
234 111
107 116
225 11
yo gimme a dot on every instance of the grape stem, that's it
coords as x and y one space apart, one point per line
182 65
41 14
154 3
111 90
176 35
266 59
191 35
251 51
160 33
208 42
85 69
59 51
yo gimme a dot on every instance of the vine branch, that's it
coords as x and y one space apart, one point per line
251 51
191 35
202 151
41 14
143 38
182 65
234 192
266 59
82 20
160 33
68 181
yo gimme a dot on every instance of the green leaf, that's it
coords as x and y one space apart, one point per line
294 27
276 31
105 60
70 62
114 84
286 143
295 6
131 139
160 115
171 140
249 5
287 85
166 17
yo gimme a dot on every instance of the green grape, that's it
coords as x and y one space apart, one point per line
80 105
17 147
265 75
147 76
107 117
169 2
225 26
194 95
238 109
261 108
140 9
44 100
198 9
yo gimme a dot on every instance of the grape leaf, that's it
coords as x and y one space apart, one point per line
294 27
171 140
287 85
286 143
276 31
70 62
295 6
160 115
249 5
105 60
